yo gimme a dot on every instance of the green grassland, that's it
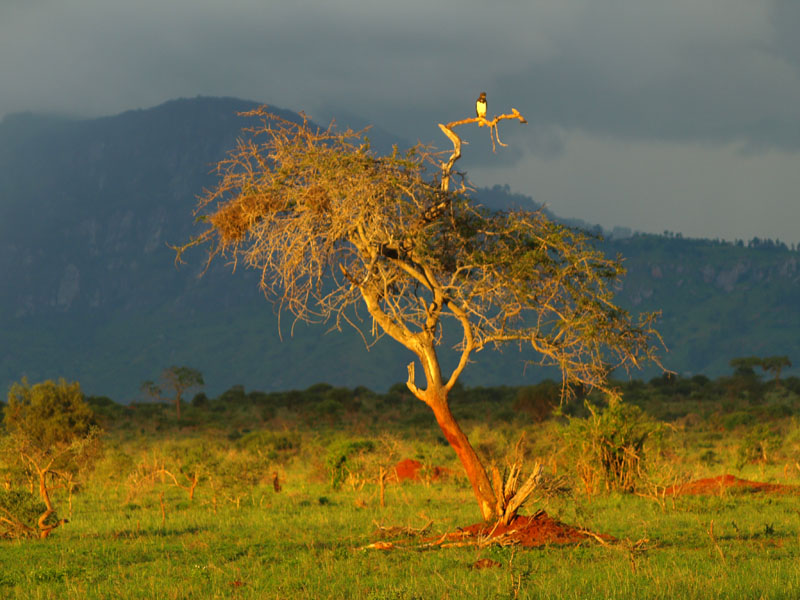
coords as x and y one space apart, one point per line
135 531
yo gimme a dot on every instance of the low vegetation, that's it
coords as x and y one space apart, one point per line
51 439
292 494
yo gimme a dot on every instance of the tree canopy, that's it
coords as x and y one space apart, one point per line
45 419
176 380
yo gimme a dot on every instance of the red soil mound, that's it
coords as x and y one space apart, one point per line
409 470
721 484
537 530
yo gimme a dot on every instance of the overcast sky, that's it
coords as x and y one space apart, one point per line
680 115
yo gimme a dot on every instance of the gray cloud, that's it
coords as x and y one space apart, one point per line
668 71
785 18
709 72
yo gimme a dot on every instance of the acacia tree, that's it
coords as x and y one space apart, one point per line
335 230
52 431
176 380
774 365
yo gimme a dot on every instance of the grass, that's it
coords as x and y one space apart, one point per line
287 550
132 536
307 542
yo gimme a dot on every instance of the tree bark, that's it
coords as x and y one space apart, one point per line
435 396
465 452
44 530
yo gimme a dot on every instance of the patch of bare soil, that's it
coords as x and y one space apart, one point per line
527 531
409 469
716 486
538 529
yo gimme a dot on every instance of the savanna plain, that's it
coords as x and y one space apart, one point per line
347 493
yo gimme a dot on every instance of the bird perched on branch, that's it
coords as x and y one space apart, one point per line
480 106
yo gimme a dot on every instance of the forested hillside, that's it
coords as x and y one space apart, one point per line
89 289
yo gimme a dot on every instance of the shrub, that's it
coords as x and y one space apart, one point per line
610 444
318 390
19 514
53 432
758 445
236 475
200 400
267 403
538 401
48 416
270 445
328 408
234 395
345 457
104 408
736 419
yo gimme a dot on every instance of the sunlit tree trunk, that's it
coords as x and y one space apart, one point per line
435 396
465 452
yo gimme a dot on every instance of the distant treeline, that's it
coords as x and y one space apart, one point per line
746 396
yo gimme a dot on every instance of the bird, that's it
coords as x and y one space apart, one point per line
480 106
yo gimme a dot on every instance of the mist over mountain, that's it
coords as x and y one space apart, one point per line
89 289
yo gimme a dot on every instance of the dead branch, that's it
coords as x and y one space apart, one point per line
521 496
394 531
714 541
447 167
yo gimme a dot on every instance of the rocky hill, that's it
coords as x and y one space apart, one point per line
89 289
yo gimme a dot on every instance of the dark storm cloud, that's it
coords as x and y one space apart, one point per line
605 85
785 20
707 70
643 74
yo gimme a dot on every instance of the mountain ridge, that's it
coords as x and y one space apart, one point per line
89 289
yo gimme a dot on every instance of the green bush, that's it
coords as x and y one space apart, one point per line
318 390
200 400
19 514
538 401
610 444
709 458
269 444
234 395
48 416
758 445
51 429
736 419
236 475
328 408
345 457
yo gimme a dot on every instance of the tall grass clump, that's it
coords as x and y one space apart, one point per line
609 446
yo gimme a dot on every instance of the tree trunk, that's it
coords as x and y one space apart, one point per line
466 454
44 530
